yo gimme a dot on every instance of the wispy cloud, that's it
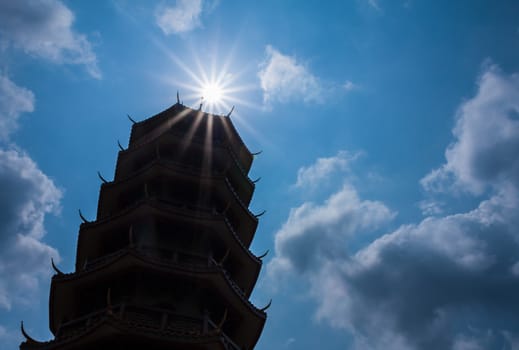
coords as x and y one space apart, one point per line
183 17
430 207
284 79
349 85
14 100
447 282
322 168
374 4
43 28
289 342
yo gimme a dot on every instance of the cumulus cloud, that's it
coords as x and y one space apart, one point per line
485 150
430 283
43 28
316 233
28 195
14 100
183 17
447 282
323 167
284 79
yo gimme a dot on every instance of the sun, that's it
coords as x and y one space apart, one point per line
212 93
211 87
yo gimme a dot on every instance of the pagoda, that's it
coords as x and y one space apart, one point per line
166 264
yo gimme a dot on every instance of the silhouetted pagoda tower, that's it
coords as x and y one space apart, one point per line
166 264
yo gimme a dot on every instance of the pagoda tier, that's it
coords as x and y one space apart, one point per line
166 264
173 183
190 153
176 230
179 286
186 121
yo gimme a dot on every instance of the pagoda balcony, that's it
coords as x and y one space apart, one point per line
150 328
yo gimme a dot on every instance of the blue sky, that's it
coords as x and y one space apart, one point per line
390 164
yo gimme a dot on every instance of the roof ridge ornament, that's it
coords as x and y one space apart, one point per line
257 153
260 214
254 181
83 218
264 254
58 271
120 147
101 177
28 337
229 114
266 306
131 119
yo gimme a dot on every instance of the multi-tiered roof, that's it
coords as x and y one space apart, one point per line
166 264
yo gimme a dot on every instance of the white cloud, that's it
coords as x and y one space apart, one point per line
14 100
486 139
283 79
411 288
28 195
314 174
349 85
316 233
289 342
447 282
430 207
374 4
183 17
43 28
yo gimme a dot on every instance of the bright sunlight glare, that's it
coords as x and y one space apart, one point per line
212 89
212 93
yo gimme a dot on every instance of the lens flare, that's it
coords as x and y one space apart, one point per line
212 93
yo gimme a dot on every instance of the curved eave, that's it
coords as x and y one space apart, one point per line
214 276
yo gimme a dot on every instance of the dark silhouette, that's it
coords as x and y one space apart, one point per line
166 264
